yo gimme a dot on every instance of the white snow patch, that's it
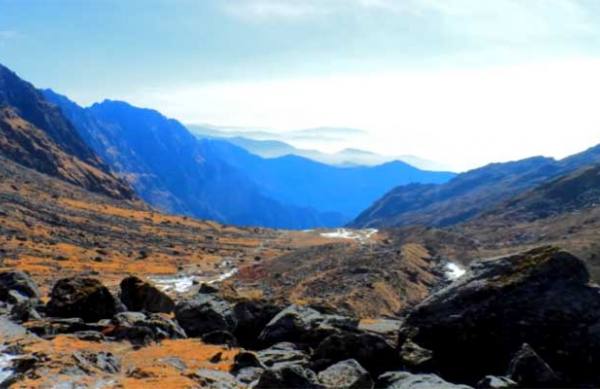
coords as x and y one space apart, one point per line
223 276
183 283
344 233
454 271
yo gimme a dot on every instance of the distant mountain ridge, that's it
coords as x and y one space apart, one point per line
270 145
469 194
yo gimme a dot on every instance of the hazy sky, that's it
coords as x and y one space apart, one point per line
464 82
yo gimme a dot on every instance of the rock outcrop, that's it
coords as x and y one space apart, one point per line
541 297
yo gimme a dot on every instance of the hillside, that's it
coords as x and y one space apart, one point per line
34 133
170 170
468 194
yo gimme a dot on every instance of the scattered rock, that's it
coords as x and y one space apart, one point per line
152 328
406 380
371 351
220 337
306 325
415 358
205 313
282 353
288 376
214 379
105 362
347 374
138 295
81 297
529 370
18 282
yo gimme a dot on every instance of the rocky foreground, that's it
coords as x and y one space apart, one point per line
526 320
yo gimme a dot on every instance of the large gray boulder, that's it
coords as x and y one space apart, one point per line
540 297
205 313
300 324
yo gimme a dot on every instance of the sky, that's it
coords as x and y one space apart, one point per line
462 82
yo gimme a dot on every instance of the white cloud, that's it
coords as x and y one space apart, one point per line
464 118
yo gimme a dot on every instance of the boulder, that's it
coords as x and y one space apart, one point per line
214 379
305 325
15 284
415 358
146 329
282 353
347 374
370 350
81 297
406 380
205 313
138 295
540 297
529 370
289 377
220 337
252 317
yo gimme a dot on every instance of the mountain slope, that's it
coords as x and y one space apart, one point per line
34 133
296 180
169 169
469 194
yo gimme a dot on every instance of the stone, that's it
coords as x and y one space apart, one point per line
18 282
529 370
306 325
406 380
205 313
138 295
541 297
347 374
81 297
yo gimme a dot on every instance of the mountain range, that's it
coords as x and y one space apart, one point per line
215 179
469 194
270 145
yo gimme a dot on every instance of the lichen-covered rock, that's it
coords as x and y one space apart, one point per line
347 374
81 297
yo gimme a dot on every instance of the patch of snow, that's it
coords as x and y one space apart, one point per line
177 284
5 365
344 233
223 276
183 283
454 271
